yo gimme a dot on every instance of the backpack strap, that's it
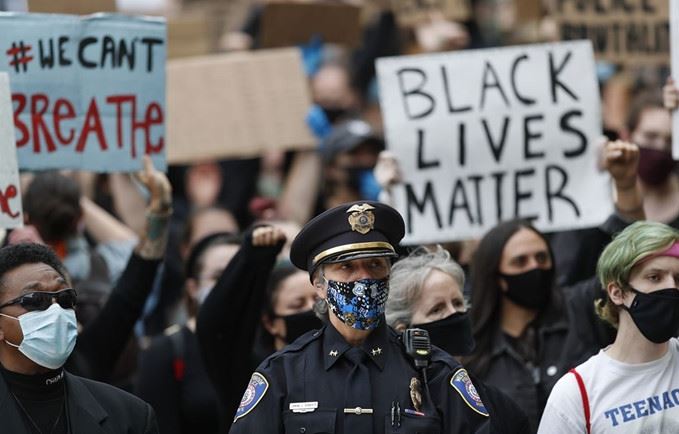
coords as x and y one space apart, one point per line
178 351
585 399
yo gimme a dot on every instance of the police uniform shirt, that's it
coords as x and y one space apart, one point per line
302 389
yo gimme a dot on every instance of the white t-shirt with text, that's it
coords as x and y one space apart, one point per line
623 398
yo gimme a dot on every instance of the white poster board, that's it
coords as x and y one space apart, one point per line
674 50
484 136
10 194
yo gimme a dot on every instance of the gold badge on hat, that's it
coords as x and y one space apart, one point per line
361 218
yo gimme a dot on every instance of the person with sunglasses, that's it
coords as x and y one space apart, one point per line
38 332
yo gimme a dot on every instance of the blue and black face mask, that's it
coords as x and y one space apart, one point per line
359 304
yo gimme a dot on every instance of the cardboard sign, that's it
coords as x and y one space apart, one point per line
71 6
10 195
674 19
237 105
626 32
413 12
88 93
188 36
286 24
484 136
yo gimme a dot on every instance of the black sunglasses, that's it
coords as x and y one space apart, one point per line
41 300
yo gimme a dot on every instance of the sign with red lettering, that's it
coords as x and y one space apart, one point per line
484 136
10 196
87 92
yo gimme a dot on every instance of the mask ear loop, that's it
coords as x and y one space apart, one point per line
5 340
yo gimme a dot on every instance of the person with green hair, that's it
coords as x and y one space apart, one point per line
631 386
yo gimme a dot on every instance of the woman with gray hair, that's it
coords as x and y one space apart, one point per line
426 292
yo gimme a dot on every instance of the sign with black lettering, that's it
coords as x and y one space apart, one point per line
88 92
10 196
622 31
484 136
674 20
413 12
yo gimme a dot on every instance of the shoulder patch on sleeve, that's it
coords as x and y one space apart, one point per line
464 386
253 394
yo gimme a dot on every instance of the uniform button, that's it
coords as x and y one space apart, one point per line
302 430
551 371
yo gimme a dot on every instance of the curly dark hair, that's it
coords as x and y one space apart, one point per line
16 255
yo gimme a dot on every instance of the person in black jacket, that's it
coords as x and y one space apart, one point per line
523 328
426 293
105 338
353 375
245 297
38 330
172 376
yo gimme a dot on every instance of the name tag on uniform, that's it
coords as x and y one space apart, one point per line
303 407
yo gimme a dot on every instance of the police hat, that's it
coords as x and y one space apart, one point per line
350 231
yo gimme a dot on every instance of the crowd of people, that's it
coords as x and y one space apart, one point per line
275 295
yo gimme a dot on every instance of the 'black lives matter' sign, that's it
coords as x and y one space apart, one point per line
484 136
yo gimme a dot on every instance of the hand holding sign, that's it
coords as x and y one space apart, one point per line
670 94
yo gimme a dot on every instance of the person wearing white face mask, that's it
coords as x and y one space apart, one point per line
631 386
38 331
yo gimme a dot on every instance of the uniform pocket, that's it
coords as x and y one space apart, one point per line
319 421
411 424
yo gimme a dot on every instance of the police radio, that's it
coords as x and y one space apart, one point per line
418 346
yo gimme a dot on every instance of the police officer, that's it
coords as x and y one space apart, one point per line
354 375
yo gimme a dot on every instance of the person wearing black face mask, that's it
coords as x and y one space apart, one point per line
528 332
631 385
289 308
426 292
234 335
519 324
172 376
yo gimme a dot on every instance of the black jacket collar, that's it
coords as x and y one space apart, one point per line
85 414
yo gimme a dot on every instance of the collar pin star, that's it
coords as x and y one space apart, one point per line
376 351
333 353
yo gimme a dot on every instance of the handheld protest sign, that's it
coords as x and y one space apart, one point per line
237 105
413 12
674 21
484 136
88 92
286 24
630 32
82 7
10 195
